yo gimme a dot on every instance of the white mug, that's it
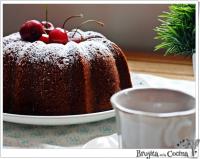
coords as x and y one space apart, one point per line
153 118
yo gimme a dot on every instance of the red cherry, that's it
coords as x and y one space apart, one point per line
48 26
44 38
31 30
58 35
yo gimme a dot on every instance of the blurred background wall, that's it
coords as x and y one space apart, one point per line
130 26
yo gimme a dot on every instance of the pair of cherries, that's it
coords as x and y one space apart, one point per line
33 30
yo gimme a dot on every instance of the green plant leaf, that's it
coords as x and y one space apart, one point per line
176 31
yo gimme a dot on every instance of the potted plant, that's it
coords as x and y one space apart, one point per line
177 31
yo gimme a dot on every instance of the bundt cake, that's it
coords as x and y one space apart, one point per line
55 79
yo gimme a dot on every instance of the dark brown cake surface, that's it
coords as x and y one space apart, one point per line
57 79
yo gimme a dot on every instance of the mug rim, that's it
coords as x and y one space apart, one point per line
146 113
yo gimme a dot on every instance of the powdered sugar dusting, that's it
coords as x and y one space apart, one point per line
92 49
93 45
11 38
85 35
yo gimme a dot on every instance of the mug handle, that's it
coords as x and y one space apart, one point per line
173 131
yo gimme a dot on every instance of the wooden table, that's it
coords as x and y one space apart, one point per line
177 67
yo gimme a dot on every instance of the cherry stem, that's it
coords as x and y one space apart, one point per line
87 21
46 15
70 17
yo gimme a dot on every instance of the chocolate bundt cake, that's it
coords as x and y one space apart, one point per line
56 79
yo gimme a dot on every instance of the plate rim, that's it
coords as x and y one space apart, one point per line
34 120
58 116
